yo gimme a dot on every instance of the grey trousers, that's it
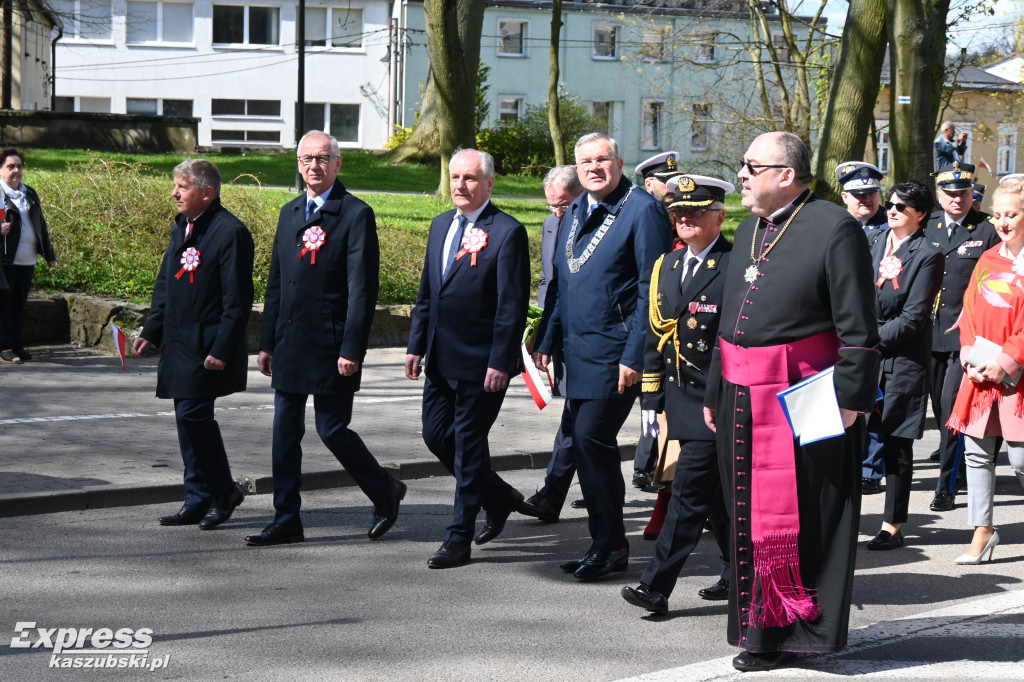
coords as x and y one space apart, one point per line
980 454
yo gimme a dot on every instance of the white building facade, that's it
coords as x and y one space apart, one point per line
231 64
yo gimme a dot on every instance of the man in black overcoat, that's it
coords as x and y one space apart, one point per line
962 234
467 326
321 297
200 310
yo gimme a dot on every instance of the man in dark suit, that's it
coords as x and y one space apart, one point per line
962 234
597 305
200 310
561 187
468 325
681 332
321 296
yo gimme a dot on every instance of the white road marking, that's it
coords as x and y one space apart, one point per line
966 621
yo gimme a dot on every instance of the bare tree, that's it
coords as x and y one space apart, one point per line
554 122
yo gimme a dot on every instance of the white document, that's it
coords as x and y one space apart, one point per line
812 408
985 351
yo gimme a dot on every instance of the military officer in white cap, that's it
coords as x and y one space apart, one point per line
862 193
656 171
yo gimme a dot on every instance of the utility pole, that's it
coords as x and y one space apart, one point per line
300 106
8 65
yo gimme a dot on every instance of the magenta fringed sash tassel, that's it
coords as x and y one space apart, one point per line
784 599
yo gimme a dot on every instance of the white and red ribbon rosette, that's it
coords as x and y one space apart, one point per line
312 239
473 240
889 268
189 262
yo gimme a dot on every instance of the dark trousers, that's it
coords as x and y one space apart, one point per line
947 373
898 454
333 412
696 496
874 466
207 472
562 466
594 427
457 418
647 453
12 305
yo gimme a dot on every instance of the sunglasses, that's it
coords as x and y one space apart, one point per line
899 207
751 166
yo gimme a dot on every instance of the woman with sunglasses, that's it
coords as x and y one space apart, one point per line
908 274
990 402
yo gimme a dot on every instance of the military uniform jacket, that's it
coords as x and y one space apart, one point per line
974 236
9 243
315 314
205 311
472 318
904 328
877 222
670 383
600 312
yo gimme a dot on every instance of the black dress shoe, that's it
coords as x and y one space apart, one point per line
642 479
539 507
573 566
934 456
886 540
188 515
943 502
646 598
579 504
870 486
748 661
716 592
221 512
276 534
599 564
23 354
494 522
383 519
451 554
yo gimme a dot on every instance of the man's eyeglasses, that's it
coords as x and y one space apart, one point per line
600 161
560 207
899 207
322 159
751 166
694 213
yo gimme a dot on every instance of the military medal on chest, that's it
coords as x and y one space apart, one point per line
692 322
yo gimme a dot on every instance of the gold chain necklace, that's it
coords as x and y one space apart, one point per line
752 272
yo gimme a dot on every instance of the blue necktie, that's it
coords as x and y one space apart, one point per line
310 209
456 244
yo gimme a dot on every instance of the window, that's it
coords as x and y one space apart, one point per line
512 38
781 48
654 45
704 47
64 104
340 120
882 136
89 105
85 19
510 108
246 107
156 22
700 128
603 111
604 41
346 27
651 125
177 107
137 105
242 25
229 137
1006 152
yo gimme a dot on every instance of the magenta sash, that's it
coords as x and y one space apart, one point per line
774 513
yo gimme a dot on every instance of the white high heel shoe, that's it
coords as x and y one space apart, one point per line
968 560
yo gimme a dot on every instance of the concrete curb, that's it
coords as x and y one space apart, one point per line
107 496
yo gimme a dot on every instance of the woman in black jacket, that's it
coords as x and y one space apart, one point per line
908 274
23 237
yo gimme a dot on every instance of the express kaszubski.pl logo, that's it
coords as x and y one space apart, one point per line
90 647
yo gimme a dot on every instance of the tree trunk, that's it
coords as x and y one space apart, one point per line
554 122
849 112
6 78
917 47
422 145
453 44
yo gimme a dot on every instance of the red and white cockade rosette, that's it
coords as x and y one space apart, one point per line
312 239
473 241
189 262
889 268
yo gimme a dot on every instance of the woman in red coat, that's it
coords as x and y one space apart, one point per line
990 403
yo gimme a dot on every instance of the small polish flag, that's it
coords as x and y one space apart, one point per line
540 392
984 164
118 343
